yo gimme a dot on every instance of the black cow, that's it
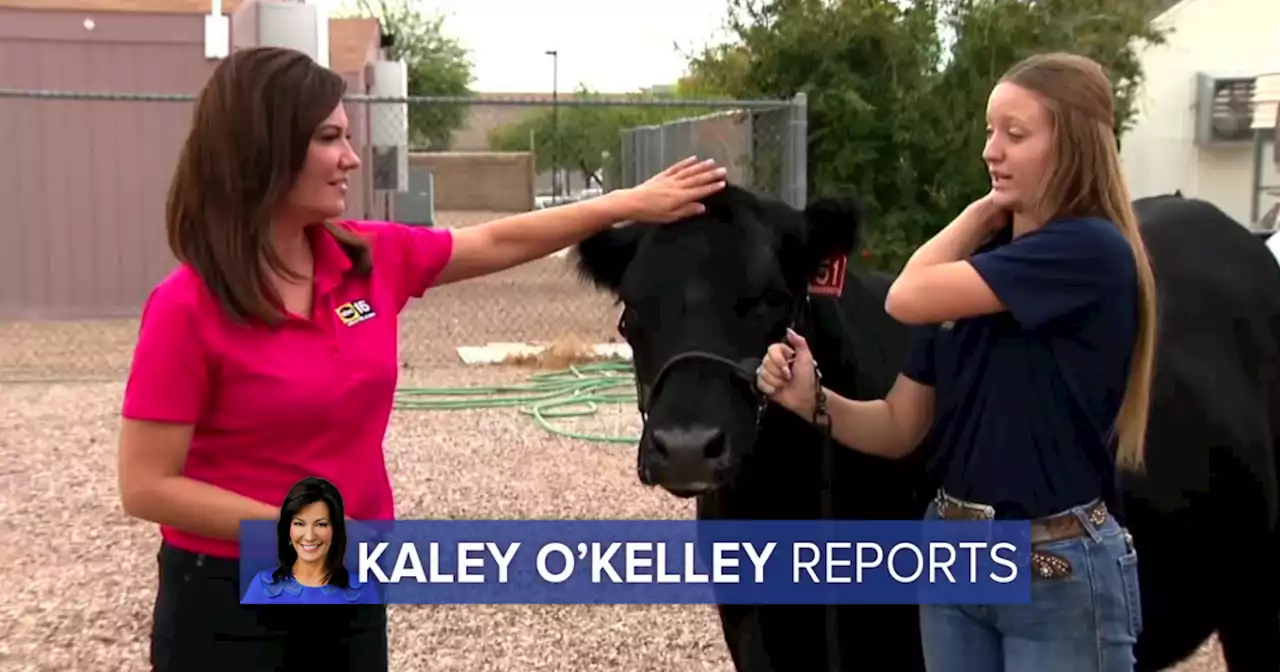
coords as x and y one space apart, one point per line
702 299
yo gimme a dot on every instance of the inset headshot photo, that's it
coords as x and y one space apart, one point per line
311 546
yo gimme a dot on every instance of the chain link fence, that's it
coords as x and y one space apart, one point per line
86 176
763 146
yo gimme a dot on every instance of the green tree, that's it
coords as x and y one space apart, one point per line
586 138
719 70
895 119
992 35
437 65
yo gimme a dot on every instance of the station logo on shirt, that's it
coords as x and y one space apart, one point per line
354 312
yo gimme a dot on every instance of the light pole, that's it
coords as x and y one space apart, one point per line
555 123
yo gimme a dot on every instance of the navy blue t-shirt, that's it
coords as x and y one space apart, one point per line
1027 398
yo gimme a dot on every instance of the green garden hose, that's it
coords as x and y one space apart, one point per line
572 392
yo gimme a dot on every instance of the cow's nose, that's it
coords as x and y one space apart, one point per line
689 443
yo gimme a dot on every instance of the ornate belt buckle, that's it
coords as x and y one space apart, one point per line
968 511
985 511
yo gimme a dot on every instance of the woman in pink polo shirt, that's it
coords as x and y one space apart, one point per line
269 354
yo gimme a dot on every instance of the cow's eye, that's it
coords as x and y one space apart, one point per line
775 298
768 301
628 323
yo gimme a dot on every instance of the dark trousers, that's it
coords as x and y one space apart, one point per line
199 624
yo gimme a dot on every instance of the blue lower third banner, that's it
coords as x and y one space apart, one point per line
676 562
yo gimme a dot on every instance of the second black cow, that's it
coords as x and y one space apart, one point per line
702 299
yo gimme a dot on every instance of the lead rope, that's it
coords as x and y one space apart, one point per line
822 420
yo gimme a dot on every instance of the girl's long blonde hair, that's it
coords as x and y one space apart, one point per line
1086 180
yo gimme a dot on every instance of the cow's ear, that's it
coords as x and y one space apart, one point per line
834 227
603 258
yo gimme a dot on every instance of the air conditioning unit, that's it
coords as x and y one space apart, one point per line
1224 110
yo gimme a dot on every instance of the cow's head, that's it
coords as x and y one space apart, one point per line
701 301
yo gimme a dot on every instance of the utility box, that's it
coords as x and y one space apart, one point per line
417 205
390 169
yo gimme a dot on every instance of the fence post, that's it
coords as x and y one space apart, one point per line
626 159
796 153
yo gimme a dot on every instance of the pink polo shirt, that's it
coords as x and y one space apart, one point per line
311 398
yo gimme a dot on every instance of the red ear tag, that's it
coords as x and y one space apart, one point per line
829 280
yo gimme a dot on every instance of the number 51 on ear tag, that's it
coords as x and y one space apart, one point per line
829 279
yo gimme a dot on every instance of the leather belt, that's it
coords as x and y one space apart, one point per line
1049 528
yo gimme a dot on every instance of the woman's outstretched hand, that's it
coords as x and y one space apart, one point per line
786 375
673 194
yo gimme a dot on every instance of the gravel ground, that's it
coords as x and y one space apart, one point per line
65 540
59 501
540 301
81 574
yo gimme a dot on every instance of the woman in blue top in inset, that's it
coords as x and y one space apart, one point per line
311 543
1034 319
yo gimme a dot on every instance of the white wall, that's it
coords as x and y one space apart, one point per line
1159 154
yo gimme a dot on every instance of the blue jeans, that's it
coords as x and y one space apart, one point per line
1085 622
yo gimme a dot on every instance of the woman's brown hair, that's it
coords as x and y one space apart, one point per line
1086 181
249 138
